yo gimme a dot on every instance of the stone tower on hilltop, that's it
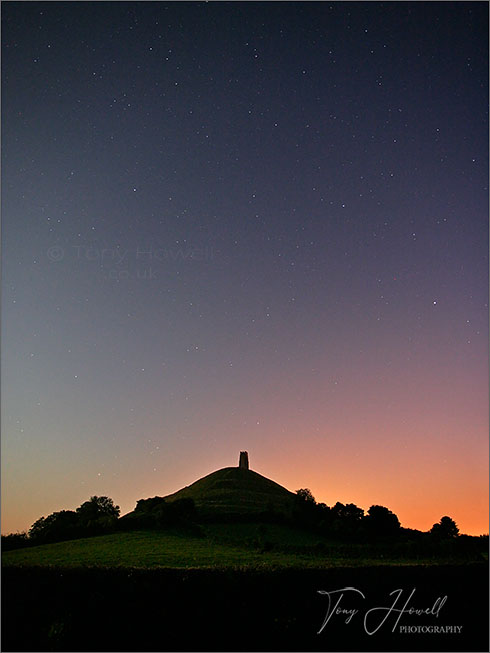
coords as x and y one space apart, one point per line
243 460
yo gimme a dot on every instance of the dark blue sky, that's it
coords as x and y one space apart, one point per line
256 226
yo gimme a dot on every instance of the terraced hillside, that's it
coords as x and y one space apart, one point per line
234 490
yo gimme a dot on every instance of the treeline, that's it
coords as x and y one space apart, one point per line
342 522
99 515
350 521
96 516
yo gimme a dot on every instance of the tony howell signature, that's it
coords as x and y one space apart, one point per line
376 617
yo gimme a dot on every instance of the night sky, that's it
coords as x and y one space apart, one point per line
246 226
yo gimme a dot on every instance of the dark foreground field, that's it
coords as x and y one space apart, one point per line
77 609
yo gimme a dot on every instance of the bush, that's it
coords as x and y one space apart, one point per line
62 525
14 541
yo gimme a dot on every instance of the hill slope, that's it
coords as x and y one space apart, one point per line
234 490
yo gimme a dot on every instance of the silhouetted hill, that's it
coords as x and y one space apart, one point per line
235 491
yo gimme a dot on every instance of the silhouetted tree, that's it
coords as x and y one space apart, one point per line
381 521
324 515
445 529
147 505
305 509
346 519
62 525
305 495
97 507
158 513
97 515
348 512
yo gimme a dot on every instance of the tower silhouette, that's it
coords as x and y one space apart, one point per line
243 460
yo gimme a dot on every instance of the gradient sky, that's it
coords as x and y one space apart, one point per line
246 226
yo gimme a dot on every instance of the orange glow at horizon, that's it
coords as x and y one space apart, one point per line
418 492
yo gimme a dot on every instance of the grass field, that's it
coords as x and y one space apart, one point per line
156 549
237 546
